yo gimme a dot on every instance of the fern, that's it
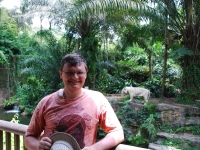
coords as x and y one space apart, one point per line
149 126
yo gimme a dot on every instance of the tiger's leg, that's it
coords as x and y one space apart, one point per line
131 98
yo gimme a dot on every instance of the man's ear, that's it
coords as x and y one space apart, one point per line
60 73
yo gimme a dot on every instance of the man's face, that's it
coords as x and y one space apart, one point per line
73 76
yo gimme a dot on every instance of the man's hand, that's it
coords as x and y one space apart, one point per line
45 143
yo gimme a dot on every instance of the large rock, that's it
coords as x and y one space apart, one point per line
170 113
136 105
179 115
191 111
154 146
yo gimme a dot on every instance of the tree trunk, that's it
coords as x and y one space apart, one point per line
165 60
41 19
191 63
164 70
150 64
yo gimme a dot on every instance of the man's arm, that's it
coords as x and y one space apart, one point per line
32 143
110 140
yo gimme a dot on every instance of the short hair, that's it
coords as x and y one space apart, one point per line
72 60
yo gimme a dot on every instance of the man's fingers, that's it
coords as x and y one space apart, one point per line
45 143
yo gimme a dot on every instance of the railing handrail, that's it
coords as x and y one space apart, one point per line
11 127
20 129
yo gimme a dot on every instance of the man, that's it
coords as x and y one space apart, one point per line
74 110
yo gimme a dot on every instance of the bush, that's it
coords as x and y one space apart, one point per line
140 126
154 85
109 84
31 93
8 104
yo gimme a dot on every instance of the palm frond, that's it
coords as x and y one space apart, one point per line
107 64
33 60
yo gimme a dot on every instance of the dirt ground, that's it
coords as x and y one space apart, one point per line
151 100
165 100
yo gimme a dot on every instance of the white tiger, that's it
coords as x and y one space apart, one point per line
136 91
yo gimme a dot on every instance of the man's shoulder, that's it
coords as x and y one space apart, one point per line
93 92
49 97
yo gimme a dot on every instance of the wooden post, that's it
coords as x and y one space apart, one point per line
8 141
16 142
1 139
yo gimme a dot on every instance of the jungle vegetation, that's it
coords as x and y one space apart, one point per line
149 43
145 43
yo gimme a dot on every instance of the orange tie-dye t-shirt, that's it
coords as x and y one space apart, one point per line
79 117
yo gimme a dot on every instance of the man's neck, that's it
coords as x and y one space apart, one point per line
70 95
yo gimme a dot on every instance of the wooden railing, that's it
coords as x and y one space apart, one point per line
11 128
18 130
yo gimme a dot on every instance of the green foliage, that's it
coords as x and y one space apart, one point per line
47 36
172 142
90 51
9 21
31 93
8 104
109 84
167 128
192 129
146 132
67 43
9 45
44 63
149 125
183 52
3 58
15 118
189 129
145 123
134 64
178 143
150 108
189 94
125 99
154 85
128 66
40 70
138 140
129 117
170 90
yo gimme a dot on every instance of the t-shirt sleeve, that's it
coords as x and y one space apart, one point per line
36 125
108 119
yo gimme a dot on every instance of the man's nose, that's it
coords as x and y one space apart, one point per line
75 75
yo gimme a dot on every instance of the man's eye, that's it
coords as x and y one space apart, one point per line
70 73
80 73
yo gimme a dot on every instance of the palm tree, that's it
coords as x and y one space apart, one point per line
86 18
